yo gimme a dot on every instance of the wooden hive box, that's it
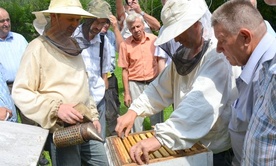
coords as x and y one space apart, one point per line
118 152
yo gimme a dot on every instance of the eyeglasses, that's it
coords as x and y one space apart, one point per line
2 21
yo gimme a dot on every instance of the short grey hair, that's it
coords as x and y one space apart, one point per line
132 18
253 2
236 14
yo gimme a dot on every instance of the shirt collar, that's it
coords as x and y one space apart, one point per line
258 53
143 40
96 39
9 37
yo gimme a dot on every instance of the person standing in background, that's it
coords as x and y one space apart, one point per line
96 56
7 107
96 59
139 65
123 10
112 93
12 46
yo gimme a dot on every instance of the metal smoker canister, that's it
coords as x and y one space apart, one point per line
76 134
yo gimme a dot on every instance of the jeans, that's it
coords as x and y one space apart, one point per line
93 154
101 109
69 156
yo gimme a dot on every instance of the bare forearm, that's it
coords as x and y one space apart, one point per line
152 22
118 36
119 9
161 64
125 81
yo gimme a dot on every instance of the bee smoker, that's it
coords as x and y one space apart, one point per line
76 134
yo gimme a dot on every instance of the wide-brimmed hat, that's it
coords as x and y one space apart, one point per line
66 7
177 16
99 8
59 7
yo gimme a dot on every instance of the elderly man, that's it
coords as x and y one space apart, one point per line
12 46
199 82
139 65
243 38
52 77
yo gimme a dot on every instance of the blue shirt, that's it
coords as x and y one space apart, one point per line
260 141
243 106
269 28
111 37
5 98
12 49
91 60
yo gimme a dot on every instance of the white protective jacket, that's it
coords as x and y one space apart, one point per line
202 103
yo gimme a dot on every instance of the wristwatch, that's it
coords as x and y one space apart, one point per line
142 13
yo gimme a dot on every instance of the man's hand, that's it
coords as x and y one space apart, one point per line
139 153
113 21
125 123
136 7
68 114
127 100
97 125
5 113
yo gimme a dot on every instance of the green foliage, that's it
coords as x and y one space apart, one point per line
112 3
268 13
152 7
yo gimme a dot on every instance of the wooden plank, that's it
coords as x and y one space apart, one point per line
127 144
172 152
131 140
111 152
123 154
137 138
21 144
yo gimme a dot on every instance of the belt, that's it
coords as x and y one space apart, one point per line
145 81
